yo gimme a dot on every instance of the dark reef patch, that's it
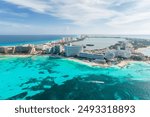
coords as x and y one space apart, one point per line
32 80
41 72
19 96
84 89
65 76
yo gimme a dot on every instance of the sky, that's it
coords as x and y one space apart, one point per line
74 17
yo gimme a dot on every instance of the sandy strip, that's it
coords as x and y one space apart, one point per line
86 62
93 64
125 63
140 49
22 56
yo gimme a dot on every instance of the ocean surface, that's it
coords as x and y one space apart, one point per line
48 78
9 40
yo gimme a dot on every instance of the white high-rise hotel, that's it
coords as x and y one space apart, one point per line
72 50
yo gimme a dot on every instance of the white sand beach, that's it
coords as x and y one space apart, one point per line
125 63
86 62
92 64
21 56
4 57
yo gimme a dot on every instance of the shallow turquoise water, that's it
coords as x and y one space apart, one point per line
44 77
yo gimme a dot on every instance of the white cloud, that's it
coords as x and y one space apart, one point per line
129 19
140 12
7 11
120 13
78 11
85 11
35 5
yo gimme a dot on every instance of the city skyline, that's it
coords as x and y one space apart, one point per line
75 17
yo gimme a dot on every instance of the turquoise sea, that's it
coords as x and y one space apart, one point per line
9 40
48 78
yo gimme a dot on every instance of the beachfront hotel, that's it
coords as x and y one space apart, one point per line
72 50
91 56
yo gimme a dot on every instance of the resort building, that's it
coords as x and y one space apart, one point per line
69 39
91 56
48 50
124 45
138 56
7 50
122 53
110 55
2 49
72 50
26 49
41 47
57 49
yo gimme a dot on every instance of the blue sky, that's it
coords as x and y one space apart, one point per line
74 16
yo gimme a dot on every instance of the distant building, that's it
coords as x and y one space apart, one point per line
42 47
67 39
91 56
7 50
2 49
71 50
124 45
29 49
138 56
123 53
21 49
48 50
110 55
57 49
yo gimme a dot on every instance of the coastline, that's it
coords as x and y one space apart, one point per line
19 55
88 63
144 50
126 62
56 49
84 62
92 64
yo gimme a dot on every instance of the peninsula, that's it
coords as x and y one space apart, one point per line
121 53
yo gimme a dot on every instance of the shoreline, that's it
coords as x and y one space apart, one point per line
142 50
92 64
84 62
19 55
88 63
